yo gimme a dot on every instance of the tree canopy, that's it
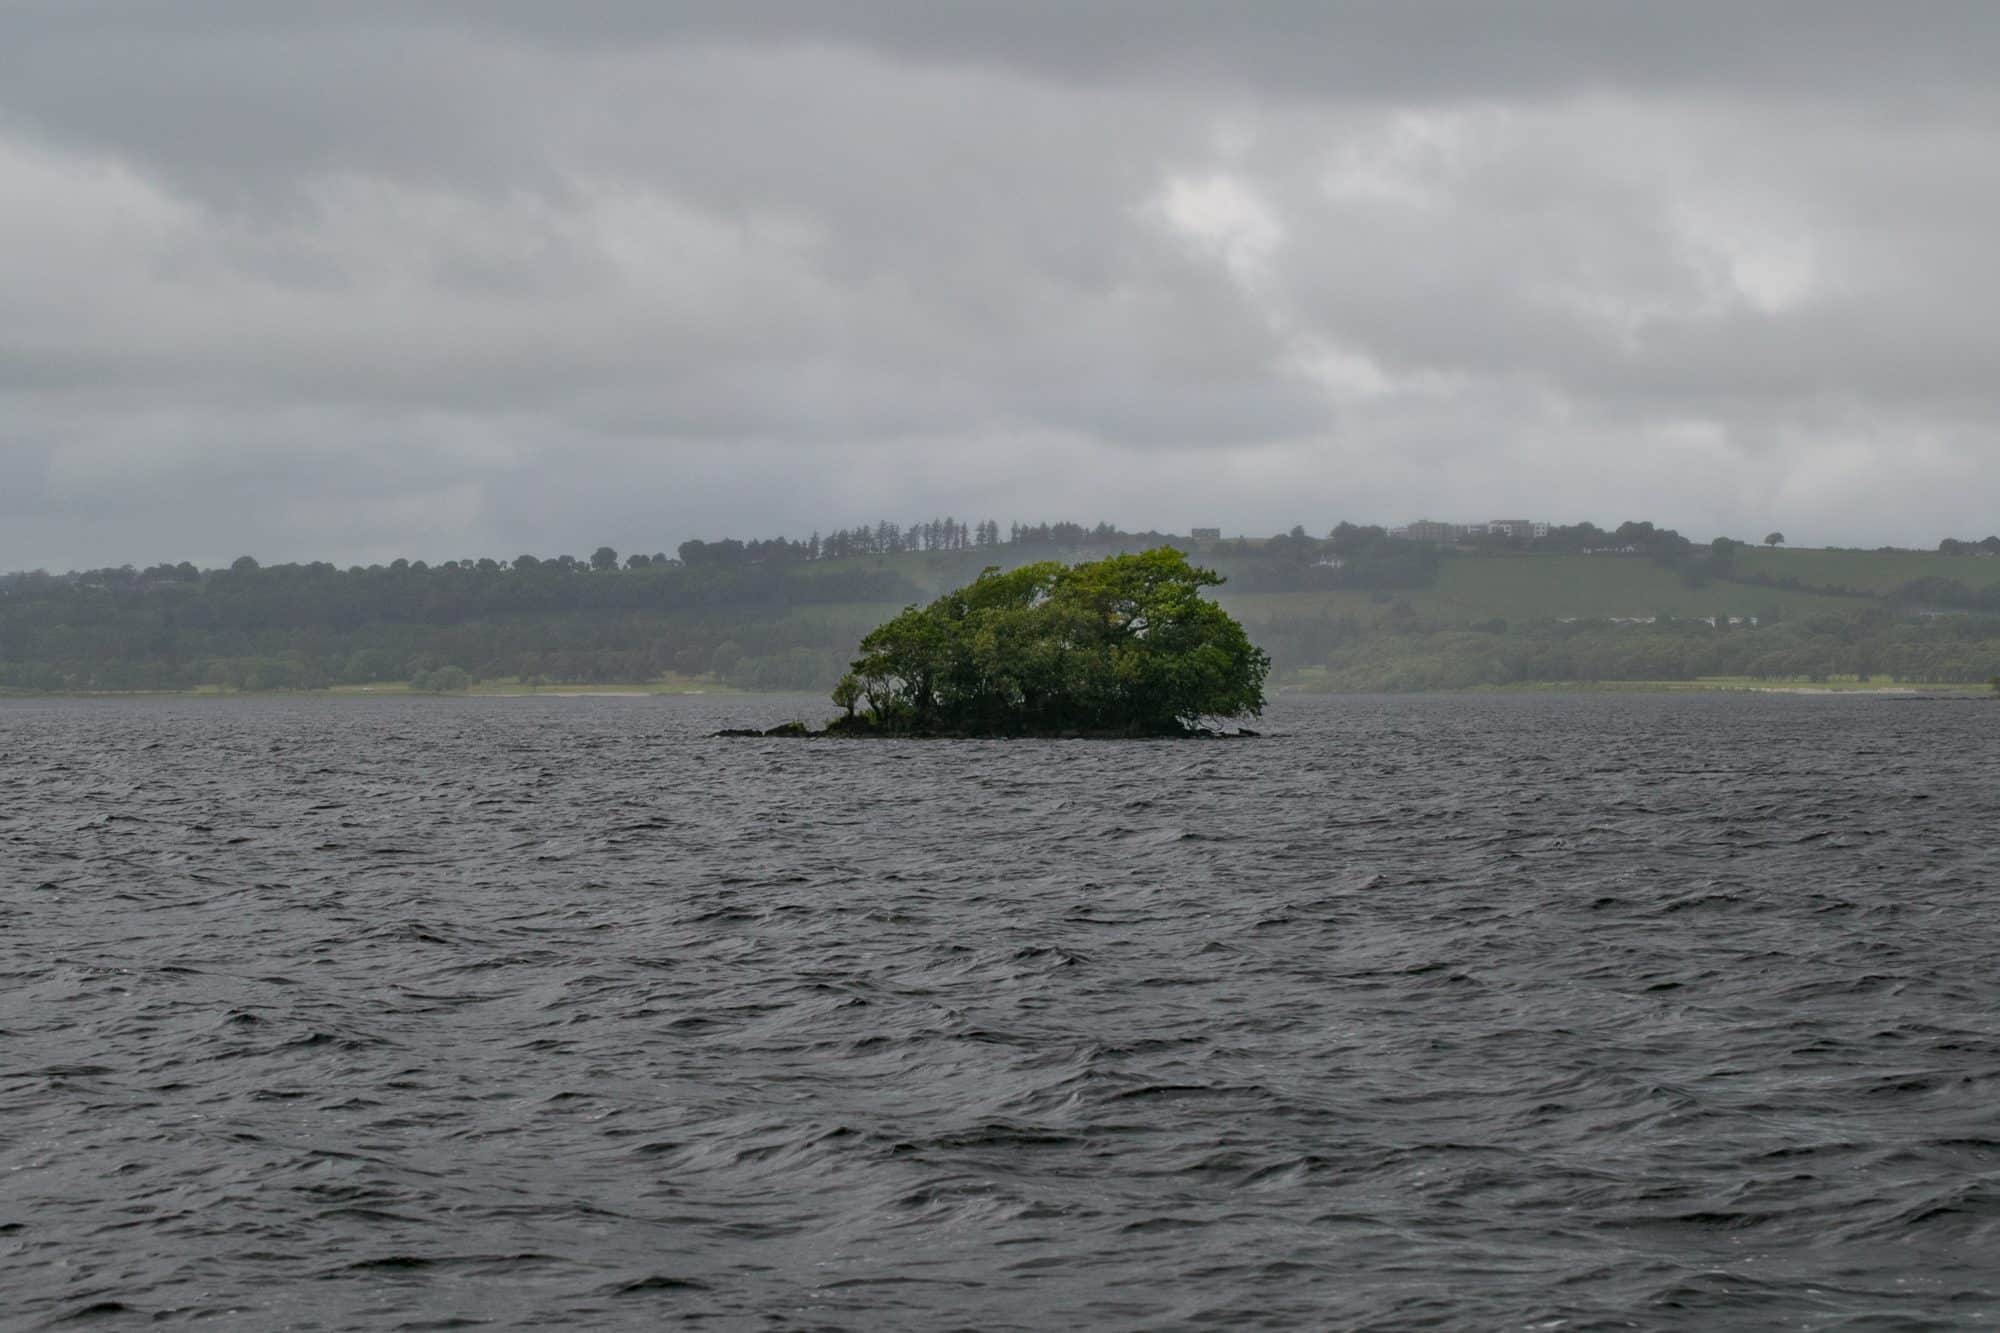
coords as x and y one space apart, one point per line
1127 645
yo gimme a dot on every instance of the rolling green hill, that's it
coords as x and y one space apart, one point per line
1357 610
1530 587
1526 588
1875 572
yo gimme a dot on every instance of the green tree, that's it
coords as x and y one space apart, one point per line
1774 539
603 558
1125 645
442 680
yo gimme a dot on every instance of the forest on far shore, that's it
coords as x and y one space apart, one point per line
1356 609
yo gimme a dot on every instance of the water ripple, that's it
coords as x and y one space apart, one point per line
1553 1012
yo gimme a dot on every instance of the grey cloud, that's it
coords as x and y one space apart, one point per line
334 280
479 90
1401 51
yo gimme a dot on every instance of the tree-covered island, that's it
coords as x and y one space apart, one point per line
1123 646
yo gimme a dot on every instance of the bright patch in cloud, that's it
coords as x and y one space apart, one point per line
1227 220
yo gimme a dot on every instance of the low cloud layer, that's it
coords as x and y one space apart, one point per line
353 281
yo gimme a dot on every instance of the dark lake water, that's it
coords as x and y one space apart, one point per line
1553 1012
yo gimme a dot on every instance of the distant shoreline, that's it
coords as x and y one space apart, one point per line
1939 690
395 691
643 690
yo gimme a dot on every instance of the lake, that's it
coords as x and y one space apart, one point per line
1553 1011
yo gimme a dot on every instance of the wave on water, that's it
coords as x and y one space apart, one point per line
1469 1012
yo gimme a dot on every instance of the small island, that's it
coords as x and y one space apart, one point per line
1126 646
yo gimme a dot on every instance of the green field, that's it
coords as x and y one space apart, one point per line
1474 624
1868 571
1552 587
1525 588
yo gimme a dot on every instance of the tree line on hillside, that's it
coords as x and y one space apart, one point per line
309 626
761 614
773 613
885 538
1390 561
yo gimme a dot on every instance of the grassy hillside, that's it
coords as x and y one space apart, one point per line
1368 614
1511 618
1551 587
1524 588
1867 571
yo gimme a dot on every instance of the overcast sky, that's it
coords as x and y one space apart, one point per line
368 278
